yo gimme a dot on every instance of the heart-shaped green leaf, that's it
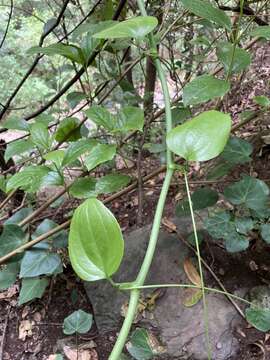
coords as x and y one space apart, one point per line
136 27
96 243
201 138
78 322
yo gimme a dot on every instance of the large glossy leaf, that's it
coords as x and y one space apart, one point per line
29 179
71 52
39 262
31 289
262 32
68 130
204 88
11 237
18 147
79 322
137 27
237 151
100 154
8 275
249 191
201 138
39 135
201 199
235 60
76 149
83 188
111 183
95 241
205 10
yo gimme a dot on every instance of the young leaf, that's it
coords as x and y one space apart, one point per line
95 241
31 289
205 10
29 179
18 147
83 188
262 32
11 237
259 318
39 262
111 183
76 149
8 275
55 157
249 191
237 151
203 89
232 59
201 138
39 135
136 27
79 322
100 154
129 118
68 130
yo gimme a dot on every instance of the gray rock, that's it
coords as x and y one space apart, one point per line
180 329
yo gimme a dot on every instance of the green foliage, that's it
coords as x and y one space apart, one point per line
8 275
199 139
18 147
141 346
100 154
68 130
233 59
12 236
237 151
29 179
40 262
32 288
79 322
203 89
95 241
262 32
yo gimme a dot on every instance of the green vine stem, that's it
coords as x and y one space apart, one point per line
135 293
205 308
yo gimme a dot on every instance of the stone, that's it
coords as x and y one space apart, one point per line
180 329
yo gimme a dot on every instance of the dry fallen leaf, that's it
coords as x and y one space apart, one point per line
72 354
25 329
171 227
192 273
9 293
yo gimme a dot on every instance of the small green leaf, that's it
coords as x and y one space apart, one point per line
76 149
101 116
129 118
39 135
55 157
74 98
205 10
39 262
143 345
265 232
259 318
203 89
100 154
18 147
136 27
95 241
71 52
243 225
262 32
201 199
11 238
83 188
180 114
68 130
8 275
111 183
29 179
237 151
31 289
232 59
262 100
235 242
79 322
219 225
249 191
14 123
201 138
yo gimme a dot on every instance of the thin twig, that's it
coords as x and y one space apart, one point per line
8 23
4 333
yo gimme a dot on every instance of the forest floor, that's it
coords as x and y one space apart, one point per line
34 331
